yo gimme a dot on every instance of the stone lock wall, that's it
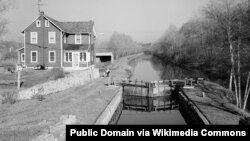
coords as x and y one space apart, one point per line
190 111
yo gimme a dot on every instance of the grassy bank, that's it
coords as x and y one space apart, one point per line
214 104
28 119
123 67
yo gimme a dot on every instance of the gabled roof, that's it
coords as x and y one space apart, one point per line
71 27
55 22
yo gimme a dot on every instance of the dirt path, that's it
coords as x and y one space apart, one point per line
27 119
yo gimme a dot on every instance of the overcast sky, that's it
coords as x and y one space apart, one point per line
143 20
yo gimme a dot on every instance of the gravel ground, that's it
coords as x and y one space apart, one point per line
215 106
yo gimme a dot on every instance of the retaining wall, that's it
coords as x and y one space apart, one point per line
106 116
190 111
75 78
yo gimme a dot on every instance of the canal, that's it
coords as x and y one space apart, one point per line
145 110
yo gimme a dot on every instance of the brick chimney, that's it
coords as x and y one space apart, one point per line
41 13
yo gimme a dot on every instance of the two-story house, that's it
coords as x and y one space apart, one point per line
51 43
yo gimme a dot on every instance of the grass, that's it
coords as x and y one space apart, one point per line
39 97
56 73
29 118
8 62
215 105
29 78
9 97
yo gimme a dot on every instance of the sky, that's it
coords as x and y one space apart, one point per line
143 20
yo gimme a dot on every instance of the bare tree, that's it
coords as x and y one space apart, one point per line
4 5
247 88
170 44
121 44
230 17
247 91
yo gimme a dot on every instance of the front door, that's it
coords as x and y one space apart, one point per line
75 59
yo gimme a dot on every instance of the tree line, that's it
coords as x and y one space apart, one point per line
121 44
216 42
8 53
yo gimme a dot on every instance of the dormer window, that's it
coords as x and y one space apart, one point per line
38 23
78 39
46 23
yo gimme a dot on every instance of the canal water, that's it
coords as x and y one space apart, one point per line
144 110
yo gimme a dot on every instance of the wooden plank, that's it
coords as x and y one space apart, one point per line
133 85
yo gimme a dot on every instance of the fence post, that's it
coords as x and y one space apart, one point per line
164 85
158 87
18 79
141 86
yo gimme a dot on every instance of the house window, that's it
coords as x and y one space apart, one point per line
33 56
52 56
83 56
52 37
33 37
38 23
22 57
46 23
78 39
68 57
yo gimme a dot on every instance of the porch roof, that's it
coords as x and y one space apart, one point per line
19 49
75 47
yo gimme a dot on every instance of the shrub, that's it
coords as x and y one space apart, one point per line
39 97
56 73
10 62
9 97
9 56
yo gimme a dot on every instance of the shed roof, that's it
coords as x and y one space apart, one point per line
75 47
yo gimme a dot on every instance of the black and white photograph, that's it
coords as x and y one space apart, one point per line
136 67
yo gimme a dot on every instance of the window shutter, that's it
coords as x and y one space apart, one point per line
88 56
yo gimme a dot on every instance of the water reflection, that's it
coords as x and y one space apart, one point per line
148 68
169 71
157 110
145 71
144 110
